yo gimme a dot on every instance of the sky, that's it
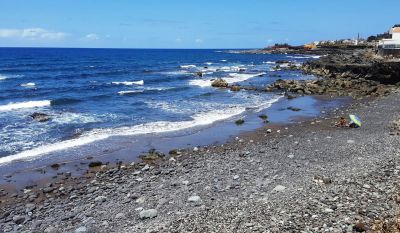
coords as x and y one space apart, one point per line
189 23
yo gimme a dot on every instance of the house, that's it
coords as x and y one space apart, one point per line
391 47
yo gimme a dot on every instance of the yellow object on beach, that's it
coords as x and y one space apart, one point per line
355 119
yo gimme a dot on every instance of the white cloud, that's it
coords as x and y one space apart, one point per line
31 34
91 37
198 41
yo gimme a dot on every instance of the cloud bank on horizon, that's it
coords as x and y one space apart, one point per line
190 24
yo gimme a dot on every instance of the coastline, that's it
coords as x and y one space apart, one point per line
279 177
301 178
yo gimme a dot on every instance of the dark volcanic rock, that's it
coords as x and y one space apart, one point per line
41 117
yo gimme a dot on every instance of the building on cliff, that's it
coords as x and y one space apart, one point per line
390 47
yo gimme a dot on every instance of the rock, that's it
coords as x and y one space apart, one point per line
55 166
48 190
50 229
220 83
235 177
120 216
291 156
95 164
152 155
279 188
18 219
41 117
100 199
327 180
359 227
195 199
269 130
263 117
235 88
239 122
294 109
81 229
351 141
195 149
146 168
150 213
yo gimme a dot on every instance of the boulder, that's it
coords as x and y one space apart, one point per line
150 213
220 83
235 88
40 117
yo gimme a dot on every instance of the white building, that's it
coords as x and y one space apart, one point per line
393 43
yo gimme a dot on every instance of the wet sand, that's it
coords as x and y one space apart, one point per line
37 173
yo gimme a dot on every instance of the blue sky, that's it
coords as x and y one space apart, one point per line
189 23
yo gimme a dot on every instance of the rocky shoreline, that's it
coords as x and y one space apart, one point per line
305 177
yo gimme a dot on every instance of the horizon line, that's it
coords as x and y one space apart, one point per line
50 47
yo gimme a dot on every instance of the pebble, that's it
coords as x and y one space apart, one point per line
235 177
351 141
81 229
279 188
194 199
18 219
100 199
120 216
150 213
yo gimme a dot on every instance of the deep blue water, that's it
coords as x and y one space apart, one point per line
93 94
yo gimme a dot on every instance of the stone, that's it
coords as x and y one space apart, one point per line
220 83
95 164
279 188
120 216
269 130
195 199
146 214
100 199
291 156
235 177
81 229
18 219
351 141
40 117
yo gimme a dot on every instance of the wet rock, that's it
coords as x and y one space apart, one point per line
146 214
152 155
235 88
360 227
41 117
294 109
55 166
239 122
95 164
220 83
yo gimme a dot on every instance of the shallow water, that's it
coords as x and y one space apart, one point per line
98 94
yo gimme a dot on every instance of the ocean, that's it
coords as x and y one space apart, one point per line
92 95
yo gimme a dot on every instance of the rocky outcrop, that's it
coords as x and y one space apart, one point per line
41 117
220 83
356 66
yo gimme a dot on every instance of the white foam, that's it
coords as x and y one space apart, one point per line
3 77
208 63
238 77
223 60
198 120
101 134
127 83
268 62
188 66
74 118
129 92
28 104
200 82
28 85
